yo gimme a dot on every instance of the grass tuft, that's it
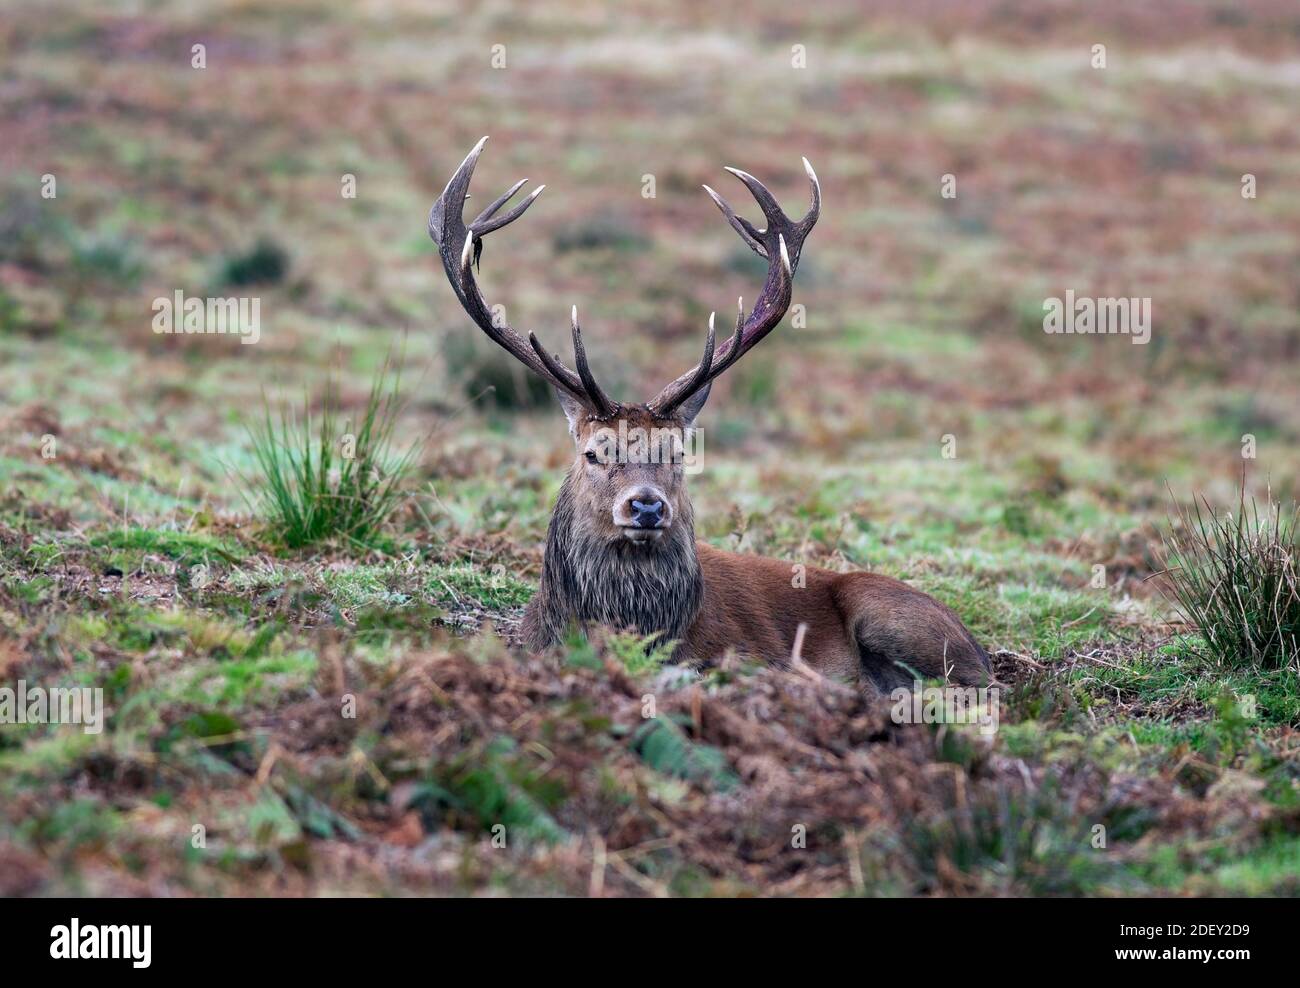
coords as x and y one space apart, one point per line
335 481
265 263
1236 579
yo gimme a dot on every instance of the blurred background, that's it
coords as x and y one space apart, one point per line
924 313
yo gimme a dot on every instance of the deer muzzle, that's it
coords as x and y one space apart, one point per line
643 514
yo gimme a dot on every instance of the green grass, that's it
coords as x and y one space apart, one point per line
340 480
186 548
1236 579
492 588
640 654
499 790
265 263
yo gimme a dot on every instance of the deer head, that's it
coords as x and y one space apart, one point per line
626 486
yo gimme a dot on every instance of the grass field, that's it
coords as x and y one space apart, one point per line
135 556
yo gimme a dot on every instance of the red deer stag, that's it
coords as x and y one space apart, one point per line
621 548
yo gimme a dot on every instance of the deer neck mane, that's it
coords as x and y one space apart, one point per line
646 588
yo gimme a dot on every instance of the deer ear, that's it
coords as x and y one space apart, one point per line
690 409
574 410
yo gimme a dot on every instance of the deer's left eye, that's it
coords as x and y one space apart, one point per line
592 457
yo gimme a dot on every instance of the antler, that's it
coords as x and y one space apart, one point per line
781 243
458 247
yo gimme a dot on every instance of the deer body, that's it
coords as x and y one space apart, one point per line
859 627
621 548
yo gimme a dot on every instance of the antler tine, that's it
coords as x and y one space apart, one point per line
485 224
498 202
604 406
456 243
701 374
766 201
814 197
739 223
732 346
551 363
781 243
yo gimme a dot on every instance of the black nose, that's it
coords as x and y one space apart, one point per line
647 514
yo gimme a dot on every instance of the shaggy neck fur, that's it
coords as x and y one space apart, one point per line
648 588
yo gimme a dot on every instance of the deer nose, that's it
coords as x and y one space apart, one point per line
647 512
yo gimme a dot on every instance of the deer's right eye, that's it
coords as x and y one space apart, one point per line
592 457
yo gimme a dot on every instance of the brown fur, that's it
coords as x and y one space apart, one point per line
861 627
